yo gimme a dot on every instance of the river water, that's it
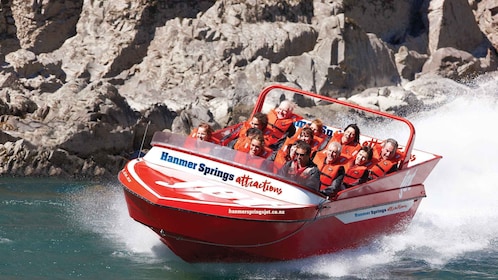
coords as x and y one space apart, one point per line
52 229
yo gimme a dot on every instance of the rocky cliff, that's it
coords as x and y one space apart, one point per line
79 80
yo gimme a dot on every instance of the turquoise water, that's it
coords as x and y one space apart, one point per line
53 229
63 230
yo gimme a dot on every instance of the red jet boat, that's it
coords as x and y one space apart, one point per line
207 207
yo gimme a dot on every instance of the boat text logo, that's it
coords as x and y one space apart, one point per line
375 212
381 211
265 185
260 212
246 181
203 168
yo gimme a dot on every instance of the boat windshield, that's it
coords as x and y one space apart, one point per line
335 115
214 151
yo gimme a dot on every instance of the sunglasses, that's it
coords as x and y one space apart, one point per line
300 155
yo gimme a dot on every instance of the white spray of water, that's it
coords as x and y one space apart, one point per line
460 212
102 209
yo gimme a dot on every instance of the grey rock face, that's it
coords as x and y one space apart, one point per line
81 81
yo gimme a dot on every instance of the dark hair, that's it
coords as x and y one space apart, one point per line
356 132
300 144
260 138
369 151
262 118
253 131
308 131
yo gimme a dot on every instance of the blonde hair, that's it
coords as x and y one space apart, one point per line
319 124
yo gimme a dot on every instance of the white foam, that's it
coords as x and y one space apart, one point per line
460 212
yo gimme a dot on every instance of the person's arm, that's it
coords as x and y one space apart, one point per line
313 180
393 168
291 130
364 177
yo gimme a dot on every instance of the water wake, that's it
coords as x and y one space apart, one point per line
459 215
102 209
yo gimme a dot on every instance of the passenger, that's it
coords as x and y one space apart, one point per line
203 132
199 137
259 121
258 147
317 144
255 144
319 137
281 124
357 170
285 153
244 143
349 139
301 169
331 166
258 152
386 158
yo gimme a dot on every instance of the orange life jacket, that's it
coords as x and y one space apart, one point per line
193 133
348 150
328 172
241 131
354 174
247 159
282 155
381 167
317 140
244 145
278 127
